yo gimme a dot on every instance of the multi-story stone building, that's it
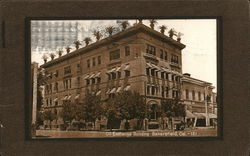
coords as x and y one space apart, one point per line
138 59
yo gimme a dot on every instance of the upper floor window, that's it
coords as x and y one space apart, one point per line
147 71
114 55
78 67
93 61
56 73
187 94
199 96
119 74
127 73
165 55
99 60
193 95
78 80
88 63
161 54
174 59
56 87
150 49
127 51
67 70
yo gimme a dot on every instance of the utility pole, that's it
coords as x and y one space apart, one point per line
206 106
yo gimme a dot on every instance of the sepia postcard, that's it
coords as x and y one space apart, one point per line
124 78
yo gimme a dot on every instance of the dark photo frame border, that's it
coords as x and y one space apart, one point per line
233 139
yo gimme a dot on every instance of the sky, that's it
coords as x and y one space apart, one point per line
199 36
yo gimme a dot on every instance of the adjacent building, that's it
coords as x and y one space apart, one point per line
138 59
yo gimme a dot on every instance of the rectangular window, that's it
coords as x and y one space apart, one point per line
167 91
113 75
162 91
88 63
187 94
127 51
147 71
56 87
78 80
161 54
152 72
173 93
127 73
150 49
93 61
98 80
166 55
67 70
87 81
119 74
93 81
199 96
193 95
174 59
114 55
162 75
153 90
99 60
78 67
56 73
148 89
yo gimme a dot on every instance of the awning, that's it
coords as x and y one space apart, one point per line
113 90
77 96
212 116
149 65
111 70
200 115
176 73
127 67
166 70
86 77
119 89
69 97
98 74
108 91
65 98
189 114
127 87
98 93
91 76
118 68
56 99
156 67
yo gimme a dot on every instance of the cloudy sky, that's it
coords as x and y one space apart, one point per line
199 56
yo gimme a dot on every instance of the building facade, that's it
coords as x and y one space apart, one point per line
138 59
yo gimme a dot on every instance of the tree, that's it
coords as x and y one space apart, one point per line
68 49
39 118
68 111
48 115
87 40
171 33
152 23
52 56
110 30
162 28
92 108
173 108
60 52
97 34
124 25
45 58
77 44
126 105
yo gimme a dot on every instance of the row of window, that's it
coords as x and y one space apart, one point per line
99 61
163 54
154 90
116 53
193 95
163 75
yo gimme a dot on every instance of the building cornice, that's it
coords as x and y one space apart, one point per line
128 32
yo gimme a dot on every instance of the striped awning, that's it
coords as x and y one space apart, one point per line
98 93
97 74
156 67
189 114
86 77
149 65
65 97
118 68
91 76
108 91
166 70
127 67
127 87
56 99
77 96
112 91
111 70
119 89
69 97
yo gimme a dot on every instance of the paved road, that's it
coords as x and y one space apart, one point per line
149 133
